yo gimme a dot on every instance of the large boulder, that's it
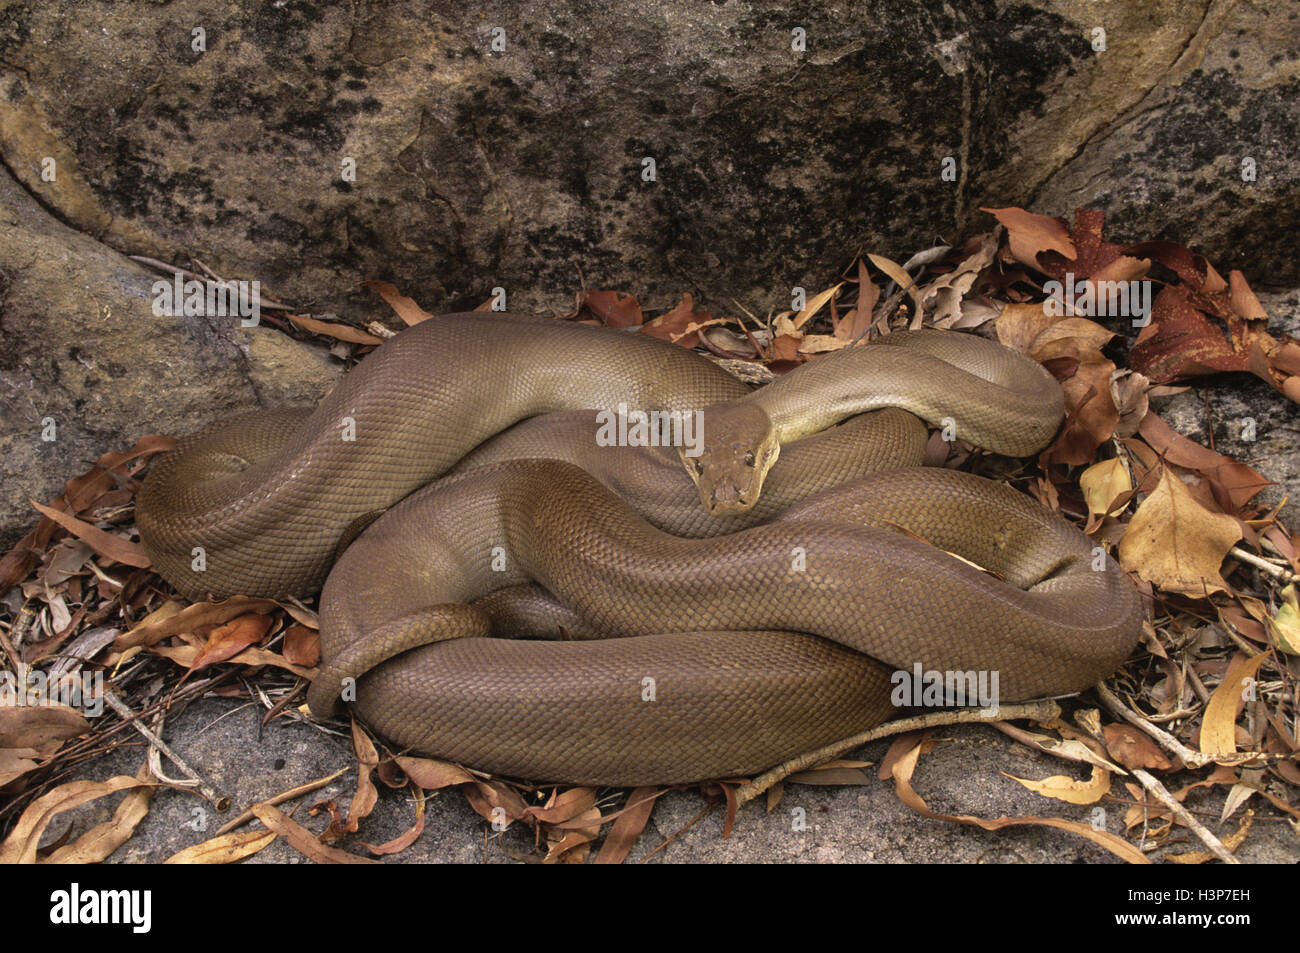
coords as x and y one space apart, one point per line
504 144
86 365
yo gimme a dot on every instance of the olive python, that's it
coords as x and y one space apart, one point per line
699 641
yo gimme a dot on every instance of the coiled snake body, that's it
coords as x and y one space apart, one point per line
717 656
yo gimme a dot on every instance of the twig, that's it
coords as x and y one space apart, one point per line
1039 711
280 798
1190 758
219 800
1168 800
1277 572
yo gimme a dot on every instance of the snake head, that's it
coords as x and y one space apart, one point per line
737 448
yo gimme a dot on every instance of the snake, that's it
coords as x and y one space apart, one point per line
732 604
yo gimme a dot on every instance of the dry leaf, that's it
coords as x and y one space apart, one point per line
673 326
1028 234
815 305
301 646
1068 789
406 309
229 639
303 840
616 309
407 837
340 332
1131 748
153 630
21 844
1219 723
225 849
100 841
901 278
35 726
1286 624
1106 487
629 824
432 774
902 773
106 544
1176 543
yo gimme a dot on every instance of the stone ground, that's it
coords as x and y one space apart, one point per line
964 774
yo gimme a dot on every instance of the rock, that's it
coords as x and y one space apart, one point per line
85 365
478 168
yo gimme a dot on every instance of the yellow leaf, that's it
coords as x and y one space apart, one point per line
1176 543
1068 789
1218 724
225 849
1286 624
1103 483
815 305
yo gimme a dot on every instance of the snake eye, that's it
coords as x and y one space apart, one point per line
699 467
749 459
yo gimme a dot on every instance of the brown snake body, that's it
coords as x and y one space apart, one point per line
726 654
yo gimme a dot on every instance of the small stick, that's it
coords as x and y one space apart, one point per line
280 798
1277 572
1039 711
1163 795
205 787
1190 758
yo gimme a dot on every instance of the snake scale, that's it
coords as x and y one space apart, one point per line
703 641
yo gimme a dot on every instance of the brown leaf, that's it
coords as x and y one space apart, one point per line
1106 487
302 646
1028 234
902 773
407 837
1133 749
340 332
1071 349
15 762
302 840
1241 482
1219 723
1192 268
855 324
616 309
21 844
1176 543
901 278
433 775
676 325
78 494
1182 341
631 821
229 639
563 806
406 308
817 302
105 543
1243 299
1068 789
1092 257
1020 324
153 630
225 849
100 841
35 726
